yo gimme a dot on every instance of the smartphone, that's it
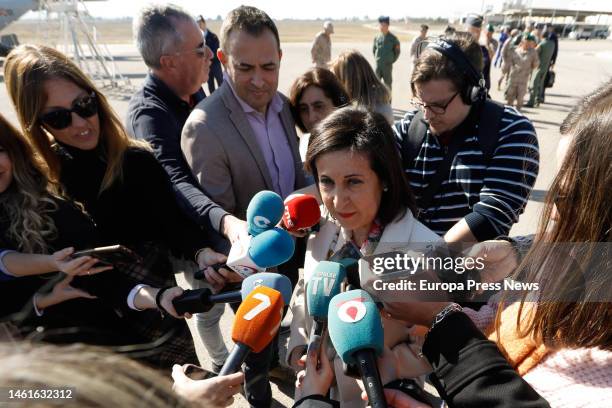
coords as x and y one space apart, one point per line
197 373
111 255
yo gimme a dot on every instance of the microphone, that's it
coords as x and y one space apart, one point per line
301 211
324 283
202 300
257 321
264 212
356 332
268 249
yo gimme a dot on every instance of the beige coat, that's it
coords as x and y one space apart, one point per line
408 230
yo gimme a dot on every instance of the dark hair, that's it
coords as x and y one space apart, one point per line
424 27
321 78
433 65
359 130
249 19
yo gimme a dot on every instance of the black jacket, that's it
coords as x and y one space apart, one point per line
156 114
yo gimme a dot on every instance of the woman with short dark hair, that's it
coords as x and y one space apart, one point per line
354 160
313 96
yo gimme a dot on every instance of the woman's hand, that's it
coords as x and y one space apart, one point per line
499 258
318 374
217 279
61 292
295 358
83 265
217 391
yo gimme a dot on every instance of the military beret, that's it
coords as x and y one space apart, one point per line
474 20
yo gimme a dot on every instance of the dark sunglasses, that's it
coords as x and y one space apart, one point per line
59 119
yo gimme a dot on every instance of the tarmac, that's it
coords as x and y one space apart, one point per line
581 67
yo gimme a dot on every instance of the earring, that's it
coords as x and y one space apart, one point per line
385 189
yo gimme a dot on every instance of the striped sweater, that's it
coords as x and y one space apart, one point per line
490 196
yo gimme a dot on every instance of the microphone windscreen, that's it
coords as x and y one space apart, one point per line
354 324
301 211
265 210
258 318
324 283
271 280
271 248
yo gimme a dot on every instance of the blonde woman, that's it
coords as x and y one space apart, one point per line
361 83
82 376
72 127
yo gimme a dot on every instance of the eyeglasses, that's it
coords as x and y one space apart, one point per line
437 109
202 52
59 119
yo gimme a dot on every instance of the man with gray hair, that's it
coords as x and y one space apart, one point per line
321 46
172 47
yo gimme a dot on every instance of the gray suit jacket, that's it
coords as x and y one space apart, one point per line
223 153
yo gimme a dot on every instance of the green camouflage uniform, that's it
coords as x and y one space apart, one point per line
386 51
545 52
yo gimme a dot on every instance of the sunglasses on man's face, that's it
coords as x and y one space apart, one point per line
85 106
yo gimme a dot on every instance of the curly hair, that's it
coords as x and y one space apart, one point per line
28 200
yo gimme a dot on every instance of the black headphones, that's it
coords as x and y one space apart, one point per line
475 90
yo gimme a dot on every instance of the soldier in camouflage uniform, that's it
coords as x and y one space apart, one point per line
545 51
321 46
386 51
522 61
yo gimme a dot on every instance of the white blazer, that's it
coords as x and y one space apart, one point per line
407 230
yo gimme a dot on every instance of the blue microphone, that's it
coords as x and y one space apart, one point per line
202 300
355 329
324 283
268 249
264 212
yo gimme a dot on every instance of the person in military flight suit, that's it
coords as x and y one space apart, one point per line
545 49
386 51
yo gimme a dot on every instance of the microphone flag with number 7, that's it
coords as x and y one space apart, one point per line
255 325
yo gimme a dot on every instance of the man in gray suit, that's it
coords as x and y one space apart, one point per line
242 139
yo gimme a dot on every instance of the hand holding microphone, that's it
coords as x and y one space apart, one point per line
301 212
355 329
202 300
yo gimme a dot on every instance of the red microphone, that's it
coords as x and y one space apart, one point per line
257 321
301 211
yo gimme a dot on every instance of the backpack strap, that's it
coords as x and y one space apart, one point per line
488 128
488 136
413 140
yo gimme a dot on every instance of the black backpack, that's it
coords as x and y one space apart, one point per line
488 135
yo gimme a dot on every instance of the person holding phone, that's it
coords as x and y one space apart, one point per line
72 127
35 222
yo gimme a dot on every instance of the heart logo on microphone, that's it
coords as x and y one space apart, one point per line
352 311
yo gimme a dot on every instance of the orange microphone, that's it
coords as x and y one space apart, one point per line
257 321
